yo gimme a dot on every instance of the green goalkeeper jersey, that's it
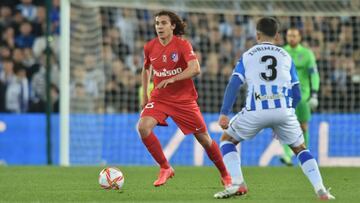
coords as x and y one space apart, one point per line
304 60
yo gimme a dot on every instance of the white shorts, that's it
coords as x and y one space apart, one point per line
246 124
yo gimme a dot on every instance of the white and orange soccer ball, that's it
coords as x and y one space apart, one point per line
111 178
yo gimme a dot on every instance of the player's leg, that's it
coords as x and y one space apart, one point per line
231 158
213 152
305 129
189 119
303 114
310 168
289 132
243 126
145 128
232 162
286 158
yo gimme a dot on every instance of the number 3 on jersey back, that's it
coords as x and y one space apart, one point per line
270 68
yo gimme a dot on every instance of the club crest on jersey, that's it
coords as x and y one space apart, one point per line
164 58
174 57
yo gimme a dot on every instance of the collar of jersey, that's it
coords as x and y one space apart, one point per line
297 48
266 43
172 39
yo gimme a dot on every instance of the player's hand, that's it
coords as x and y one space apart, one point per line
165 83
224 121
144 101
313 101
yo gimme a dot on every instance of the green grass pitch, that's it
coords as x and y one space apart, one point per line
190 184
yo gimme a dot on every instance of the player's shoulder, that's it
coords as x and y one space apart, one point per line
309 51
305 49
151 43
285 52
249 52
287 47
180 40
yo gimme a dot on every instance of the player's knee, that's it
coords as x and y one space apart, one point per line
143 129
226 137
204 139
298 149
146 125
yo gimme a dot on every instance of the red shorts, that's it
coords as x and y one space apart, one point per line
187 116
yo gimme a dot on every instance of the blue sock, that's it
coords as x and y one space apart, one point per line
231 159
311 169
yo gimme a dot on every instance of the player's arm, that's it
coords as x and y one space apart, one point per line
314 74
296 95
295 89
230 94
192 70
314 81
145 78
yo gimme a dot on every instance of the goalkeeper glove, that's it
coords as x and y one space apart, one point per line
313 101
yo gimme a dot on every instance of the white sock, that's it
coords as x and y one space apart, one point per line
311 169
232 161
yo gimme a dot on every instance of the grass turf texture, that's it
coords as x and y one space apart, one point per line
190 184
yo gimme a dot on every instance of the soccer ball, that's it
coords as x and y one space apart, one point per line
111 178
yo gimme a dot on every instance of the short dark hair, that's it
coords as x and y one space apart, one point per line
269 26
174 19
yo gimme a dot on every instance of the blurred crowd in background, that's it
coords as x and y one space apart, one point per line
107 56
22 55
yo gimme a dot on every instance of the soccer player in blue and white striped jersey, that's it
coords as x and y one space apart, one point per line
273 93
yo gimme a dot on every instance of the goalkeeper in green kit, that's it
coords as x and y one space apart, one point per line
305 63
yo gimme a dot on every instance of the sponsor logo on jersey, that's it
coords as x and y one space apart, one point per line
267 97
174 56
166 73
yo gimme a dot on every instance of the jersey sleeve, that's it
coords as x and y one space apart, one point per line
187 51
230 94
312 60
313 72
239 70
146 58
293 74
296 95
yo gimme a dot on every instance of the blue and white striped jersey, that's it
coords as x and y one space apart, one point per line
269 73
